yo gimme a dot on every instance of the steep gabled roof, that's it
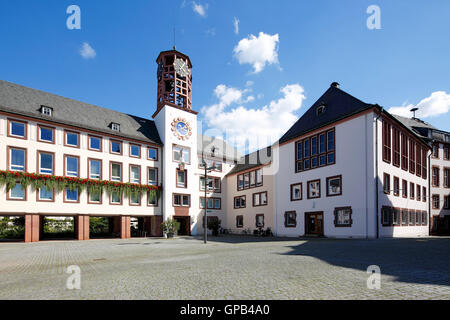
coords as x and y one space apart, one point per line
338 105
25 101
253 160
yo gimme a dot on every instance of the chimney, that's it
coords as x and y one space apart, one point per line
336 85
413 110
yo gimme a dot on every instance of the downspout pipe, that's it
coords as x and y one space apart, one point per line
376 174
429 194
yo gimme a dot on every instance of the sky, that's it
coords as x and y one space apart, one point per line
258 65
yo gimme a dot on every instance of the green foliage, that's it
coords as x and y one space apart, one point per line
57 183
170 226
99 225
214 225
12 227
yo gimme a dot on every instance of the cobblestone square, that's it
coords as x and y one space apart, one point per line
227 268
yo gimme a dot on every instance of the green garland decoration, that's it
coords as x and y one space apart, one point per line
59 183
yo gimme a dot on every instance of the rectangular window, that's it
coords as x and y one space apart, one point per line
396 147
71 195
95 197
424 163
436 201
411 190
418 160
213 184
446 177
424 194
240 182
259 221
45 194
396 186
116 197
260 199
95 169
412 156
17 159
405 217
386 142
252 179
115 147
135 174
213 203
435 177
418 195
386 183
17 129
181 200
259 177
290 219
418 218
135 150
446 153
72 166
95 143
239 202
116 171
334 186
135 199
424 218
181 154
72 139
412 217
152 154
239 221
435 151
404 189
181 178
296 192
46 163
314 189
152 200
396 216
152 176
315 151
46 134
447 202
386 216
343 217
17 193
404 149
246 180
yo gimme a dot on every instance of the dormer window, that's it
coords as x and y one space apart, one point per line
115 127
47 111
320 110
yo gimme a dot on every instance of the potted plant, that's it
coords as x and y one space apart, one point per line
214 225
170 227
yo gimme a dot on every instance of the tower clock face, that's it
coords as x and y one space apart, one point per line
181 129
181 67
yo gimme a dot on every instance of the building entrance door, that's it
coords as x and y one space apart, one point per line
185 225
314 223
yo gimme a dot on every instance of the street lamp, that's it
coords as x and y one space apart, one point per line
204 164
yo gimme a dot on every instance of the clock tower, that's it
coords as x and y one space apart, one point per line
174 80
177 127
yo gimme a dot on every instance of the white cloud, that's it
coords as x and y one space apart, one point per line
258 51
199 9
87 52
236 25
240 124
436 104
249 83
211 32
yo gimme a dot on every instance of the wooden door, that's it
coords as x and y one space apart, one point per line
314 223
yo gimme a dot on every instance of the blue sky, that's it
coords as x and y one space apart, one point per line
308 45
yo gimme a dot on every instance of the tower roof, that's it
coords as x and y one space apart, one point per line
178 53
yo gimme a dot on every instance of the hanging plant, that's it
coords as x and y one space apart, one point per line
58 183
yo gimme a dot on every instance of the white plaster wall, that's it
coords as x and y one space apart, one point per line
59 207
354 161
441 190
